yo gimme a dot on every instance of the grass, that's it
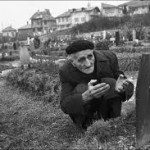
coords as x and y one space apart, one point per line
28 123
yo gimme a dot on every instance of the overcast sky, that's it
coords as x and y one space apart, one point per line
17 13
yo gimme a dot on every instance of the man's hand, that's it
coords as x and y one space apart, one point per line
122 84
95 91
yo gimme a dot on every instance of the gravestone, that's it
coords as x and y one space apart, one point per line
24 56
143 103
104 35
134 35
117 38
28 40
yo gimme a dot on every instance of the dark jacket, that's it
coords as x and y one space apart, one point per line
106 65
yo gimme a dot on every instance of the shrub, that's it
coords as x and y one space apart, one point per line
129 62
36 42
41 80
135 44
4 67
102 45
130 49
9 58
118 133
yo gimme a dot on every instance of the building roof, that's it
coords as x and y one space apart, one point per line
104 6
27 26
9 28
70 11
45 15
65 14
86 9
136 3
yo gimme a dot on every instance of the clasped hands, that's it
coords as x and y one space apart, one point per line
96 91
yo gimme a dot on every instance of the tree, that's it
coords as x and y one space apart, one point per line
124 11
36 42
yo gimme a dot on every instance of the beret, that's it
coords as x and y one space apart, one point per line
79 45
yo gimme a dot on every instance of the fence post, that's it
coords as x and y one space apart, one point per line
143 103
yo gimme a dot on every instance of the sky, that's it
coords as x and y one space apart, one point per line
18 13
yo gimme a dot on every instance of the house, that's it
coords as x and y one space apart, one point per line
63 21
25 31
9 32
111 10
1 34
42 22
76 16
136 7
79 16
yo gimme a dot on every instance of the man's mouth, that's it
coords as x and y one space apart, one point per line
88 68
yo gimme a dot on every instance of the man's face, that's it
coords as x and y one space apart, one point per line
84 61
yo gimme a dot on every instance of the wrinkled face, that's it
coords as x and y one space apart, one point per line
84 61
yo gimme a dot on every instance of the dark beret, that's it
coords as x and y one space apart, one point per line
79 45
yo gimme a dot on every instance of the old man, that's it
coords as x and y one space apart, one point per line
91 87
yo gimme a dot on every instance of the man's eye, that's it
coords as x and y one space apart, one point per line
90 56
81 60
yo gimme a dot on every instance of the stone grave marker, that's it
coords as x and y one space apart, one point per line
24 56
143 103
134 35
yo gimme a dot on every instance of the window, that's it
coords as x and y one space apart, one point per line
76 19
68 25
39 29
45 22
83 19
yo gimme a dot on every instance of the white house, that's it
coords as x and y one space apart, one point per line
76 16
136 7
63 21
9 31
111 10
79 16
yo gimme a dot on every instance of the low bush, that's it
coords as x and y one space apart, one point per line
118 133
40 80
135 44
102 45
4 67
128 61
130 49
36 42
9 58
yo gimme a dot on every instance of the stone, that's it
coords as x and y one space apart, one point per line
24 56
6 72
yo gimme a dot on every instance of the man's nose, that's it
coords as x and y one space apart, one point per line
88 63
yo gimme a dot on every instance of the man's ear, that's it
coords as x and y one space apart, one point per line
73 63
71 58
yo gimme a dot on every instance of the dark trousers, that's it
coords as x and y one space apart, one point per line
98 109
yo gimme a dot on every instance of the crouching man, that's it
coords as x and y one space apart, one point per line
91 87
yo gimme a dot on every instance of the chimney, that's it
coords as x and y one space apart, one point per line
88 5
47 10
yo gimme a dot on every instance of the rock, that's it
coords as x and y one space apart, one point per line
60 62
16 64
24 56
5 72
